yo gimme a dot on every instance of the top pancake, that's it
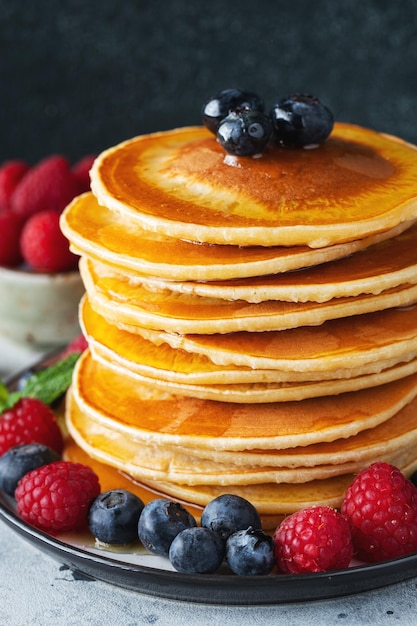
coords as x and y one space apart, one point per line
183 184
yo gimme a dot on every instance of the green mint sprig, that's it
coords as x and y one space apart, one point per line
47 385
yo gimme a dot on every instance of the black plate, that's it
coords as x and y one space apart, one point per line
152 575
117 569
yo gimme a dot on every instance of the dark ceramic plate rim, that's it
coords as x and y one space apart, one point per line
226 589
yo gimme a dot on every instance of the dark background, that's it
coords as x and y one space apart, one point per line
77 76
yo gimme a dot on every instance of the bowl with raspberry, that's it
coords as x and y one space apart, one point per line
39 279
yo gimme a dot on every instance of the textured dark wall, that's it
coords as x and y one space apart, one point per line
76 76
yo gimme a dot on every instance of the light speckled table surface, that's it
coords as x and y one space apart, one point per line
37 590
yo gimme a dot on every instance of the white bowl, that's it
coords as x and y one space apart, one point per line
39 310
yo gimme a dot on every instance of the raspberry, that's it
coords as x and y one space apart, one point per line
81 171
10 231
11 173
43 245
79 344
381 507
314 539
57 497
49 185
29 421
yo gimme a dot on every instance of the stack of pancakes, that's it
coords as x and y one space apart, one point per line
252 322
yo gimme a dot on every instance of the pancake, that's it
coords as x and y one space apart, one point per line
101 234
340 344
388 438
270 498
370 345
188 467
120 302
358 183
326 492
252 393
102 445
156 417
382 266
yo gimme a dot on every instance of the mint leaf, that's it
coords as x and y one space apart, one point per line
47 385
4 392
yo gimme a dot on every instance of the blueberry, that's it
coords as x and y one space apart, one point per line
250 552
228 513
301 120
245 133
114 515
20 460
218 107
413 478
196 551
159 524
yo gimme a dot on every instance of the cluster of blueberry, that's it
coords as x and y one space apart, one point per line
230 529
242 127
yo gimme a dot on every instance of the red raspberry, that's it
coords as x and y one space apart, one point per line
49 185
81 171
57 496
43 245
11 173
10 231
381 507
29 421
314 539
